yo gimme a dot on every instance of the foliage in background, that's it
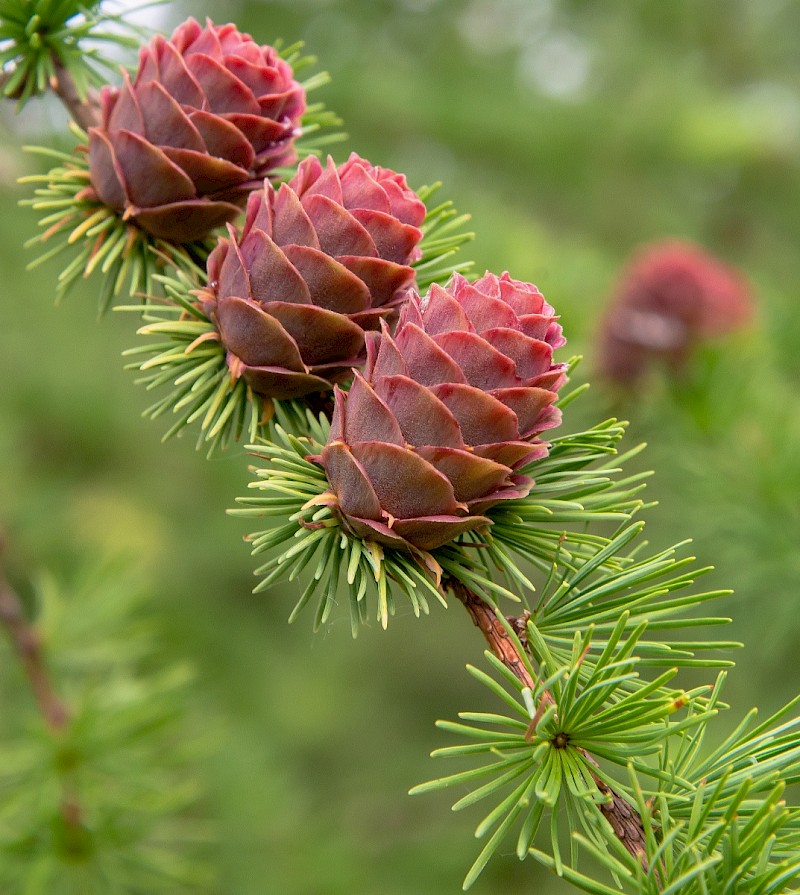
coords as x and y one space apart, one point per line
110 801
696 427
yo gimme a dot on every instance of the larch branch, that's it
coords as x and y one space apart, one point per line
621 815
85 112
28 647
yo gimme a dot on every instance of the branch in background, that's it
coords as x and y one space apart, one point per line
112 799
621 815
27 645
84 112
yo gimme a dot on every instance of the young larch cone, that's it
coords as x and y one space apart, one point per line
672 296
319 260
207 116
430 436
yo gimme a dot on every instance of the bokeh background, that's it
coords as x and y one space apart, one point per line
572 132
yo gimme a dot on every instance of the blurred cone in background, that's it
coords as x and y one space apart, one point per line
671 297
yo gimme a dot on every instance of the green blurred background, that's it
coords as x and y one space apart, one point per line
572 132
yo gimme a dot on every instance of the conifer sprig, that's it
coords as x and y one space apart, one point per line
107 798
538 757
44 41
443 236
724 845
725 774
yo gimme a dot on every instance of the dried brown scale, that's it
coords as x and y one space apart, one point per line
485 618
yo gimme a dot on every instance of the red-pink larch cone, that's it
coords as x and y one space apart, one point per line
207 116
319 261
446 411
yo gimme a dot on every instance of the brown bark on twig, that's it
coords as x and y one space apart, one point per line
623 817
27 645
84 112
492 629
